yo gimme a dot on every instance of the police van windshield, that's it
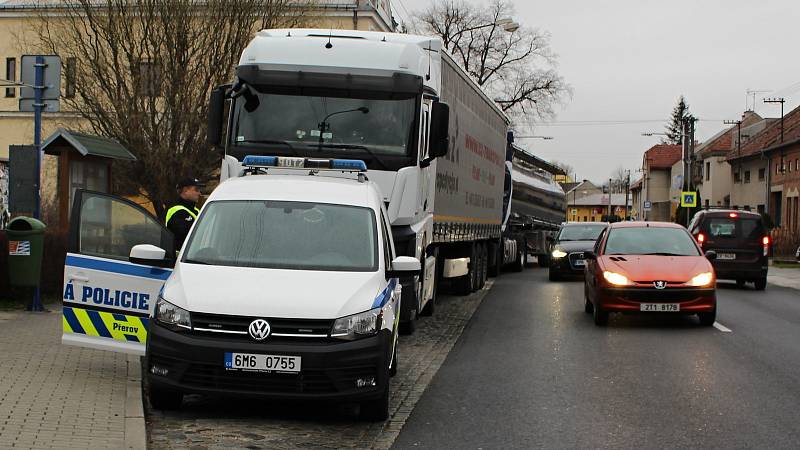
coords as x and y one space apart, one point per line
285 235
326 125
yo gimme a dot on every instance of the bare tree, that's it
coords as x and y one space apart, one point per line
619 179
568 169
142 71
516 68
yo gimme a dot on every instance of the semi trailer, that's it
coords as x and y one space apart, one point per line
432 140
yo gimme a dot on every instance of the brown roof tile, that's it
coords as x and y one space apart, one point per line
663 156
771 136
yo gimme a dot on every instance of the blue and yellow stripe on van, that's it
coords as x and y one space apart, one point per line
120 327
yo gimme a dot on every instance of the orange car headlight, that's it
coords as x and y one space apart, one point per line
616 279
703 279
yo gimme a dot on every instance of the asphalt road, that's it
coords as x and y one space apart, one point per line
531 370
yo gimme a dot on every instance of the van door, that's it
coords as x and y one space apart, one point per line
107 299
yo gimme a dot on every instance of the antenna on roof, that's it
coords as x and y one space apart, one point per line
330 35
752 92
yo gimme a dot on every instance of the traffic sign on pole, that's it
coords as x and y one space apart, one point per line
688 199
51 77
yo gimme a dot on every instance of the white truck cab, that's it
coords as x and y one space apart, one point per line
286 288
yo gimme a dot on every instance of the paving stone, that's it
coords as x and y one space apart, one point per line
217 423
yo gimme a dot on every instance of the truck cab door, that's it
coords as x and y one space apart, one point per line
108 299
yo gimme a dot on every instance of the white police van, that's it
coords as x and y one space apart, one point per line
286 288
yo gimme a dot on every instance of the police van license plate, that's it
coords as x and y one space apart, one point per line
660 307
262 363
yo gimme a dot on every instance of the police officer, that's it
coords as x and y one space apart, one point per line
182 215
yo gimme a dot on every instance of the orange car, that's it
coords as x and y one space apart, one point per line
649 267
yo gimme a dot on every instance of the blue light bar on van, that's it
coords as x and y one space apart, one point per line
283 162
260 161
349 164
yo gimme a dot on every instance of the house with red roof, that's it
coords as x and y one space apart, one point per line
660 165
712 174
775 152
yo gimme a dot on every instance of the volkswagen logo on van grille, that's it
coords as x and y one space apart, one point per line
259 329
657 284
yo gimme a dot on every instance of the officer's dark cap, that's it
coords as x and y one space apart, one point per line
187 182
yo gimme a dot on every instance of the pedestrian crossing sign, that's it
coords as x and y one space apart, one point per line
688 199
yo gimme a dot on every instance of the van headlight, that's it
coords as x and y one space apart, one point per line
703 279
358 325
172 316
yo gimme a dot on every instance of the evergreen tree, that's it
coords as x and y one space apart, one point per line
675 125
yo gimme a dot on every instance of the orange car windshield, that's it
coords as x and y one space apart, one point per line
650 241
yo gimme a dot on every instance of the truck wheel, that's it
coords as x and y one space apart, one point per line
409 326
497 264
761 283
519 263
465 285
484 266
164 399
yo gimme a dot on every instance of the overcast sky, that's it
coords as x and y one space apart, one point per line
629 60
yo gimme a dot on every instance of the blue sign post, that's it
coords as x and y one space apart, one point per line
42 84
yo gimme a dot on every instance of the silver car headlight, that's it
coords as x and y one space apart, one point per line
172 316
358 325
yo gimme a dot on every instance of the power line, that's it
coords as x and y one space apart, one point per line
586 123
407 14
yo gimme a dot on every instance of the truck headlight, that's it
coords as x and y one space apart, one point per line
358 325
703 279
172 316
559 253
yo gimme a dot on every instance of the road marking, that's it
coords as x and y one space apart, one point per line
722 328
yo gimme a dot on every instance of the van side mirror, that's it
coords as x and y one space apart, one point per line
216 113
403 267
440 130
711 255
149 255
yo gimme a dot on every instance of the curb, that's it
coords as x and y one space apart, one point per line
135 434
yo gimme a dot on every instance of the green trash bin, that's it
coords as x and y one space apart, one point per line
25 248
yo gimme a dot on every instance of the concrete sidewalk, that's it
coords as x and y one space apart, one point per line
784 277
56 396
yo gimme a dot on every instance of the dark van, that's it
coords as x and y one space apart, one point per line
740 240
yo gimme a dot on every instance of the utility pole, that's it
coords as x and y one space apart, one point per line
780 100
738 124
627 193
609 199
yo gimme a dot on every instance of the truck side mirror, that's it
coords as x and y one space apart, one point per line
216 112
440 133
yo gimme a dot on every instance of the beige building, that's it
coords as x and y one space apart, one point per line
18 18
660 165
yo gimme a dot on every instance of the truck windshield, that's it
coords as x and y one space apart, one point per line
309 125
285 235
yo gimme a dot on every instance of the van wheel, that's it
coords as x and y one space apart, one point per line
164 399
761 283
377 410
393 367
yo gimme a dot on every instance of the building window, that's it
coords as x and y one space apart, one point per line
761 174
737 176
585 219
69 77
708 171
761 209
146 78
747 207
11 75
746 176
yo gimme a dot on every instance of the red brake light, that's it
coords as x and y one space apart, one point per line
701 238
765 240
733 215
